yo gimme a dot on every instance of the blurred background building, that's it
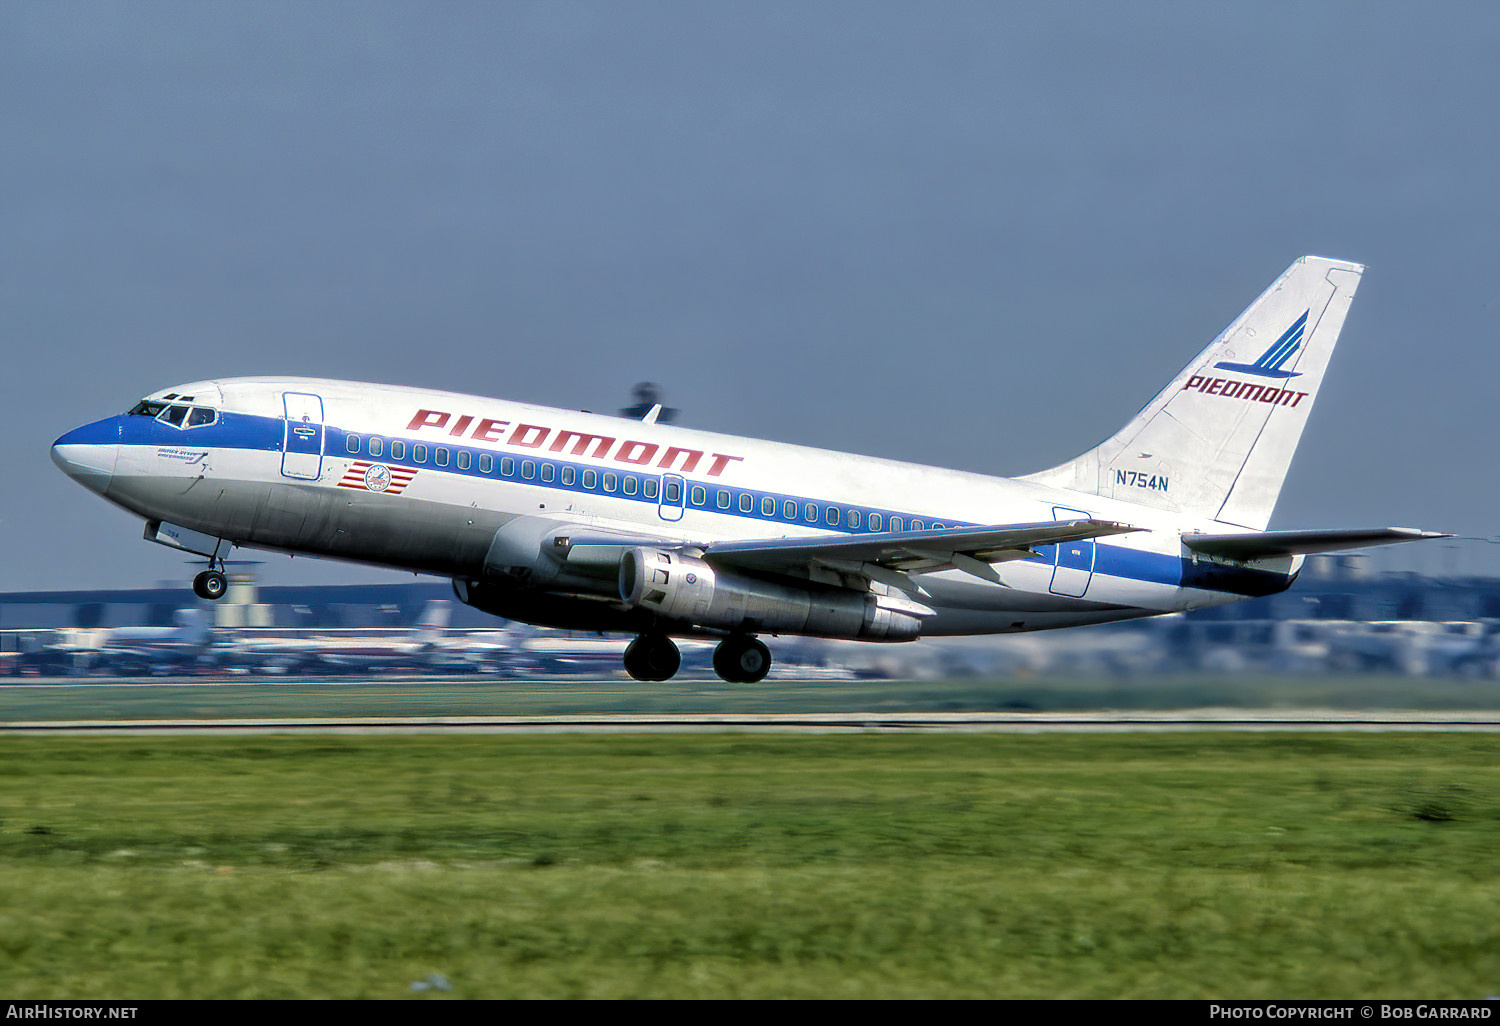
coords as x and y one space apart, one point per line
1340 617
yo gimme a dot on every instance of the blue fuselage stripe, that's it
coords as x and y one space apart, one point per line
267 434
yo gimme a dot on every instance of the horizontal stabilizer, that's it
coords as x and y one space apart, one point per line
1272 544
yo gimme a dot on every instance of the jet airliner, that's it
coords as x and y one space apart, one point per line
570 519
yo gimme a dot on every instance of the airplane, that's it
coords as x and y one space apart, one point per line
127 651
586 522
424 647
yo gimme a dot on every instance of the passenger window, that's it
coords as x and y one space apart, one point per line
832 516
674 491
723 499
895 523
854 519
419 453
768 507
463 459
351 444
875 520
630 484
486 461
916 525
398 450
375 447
648 489
700 495
569 475
548 472
747 502
811 513
937 527
610 481
528 469
507 467
789 509
590 479
440 457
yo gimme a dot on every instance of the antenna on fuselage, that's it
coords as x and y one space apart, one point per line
648 407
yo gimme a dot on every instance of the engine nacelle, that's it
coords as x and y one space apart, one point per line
677 586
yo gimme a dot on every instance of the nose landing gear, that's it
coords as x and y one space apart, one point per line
210 584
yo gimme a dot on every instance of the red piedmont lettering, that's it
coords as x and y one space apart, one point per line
488 430
427 418
689 464
644 453
720 462
522 435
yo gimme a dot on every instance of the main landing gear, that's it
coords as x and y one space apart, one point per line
652 657
742 660
738 659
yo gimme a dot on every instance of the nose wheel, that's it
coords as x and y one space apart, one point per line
211 585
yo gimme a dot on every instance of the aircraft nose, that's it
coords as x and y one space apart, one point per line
87 454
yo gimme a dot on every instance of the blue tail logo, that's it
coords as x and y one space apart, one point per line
1271 361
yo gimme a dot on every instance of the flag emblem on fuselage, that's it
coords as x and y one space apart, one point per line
1273 359
377 477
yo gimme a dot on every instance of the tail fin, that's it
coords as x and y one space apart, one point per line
432 622
1218 440
192 626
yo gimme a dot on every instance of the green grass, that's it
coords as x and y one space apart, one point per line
879 865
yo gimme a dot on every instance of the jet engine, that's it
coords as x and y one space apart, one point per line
677 586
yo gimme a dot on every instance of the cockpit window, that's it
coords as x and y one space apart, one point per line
176 415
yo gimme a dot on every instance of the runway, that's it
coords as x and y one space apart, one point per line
198 705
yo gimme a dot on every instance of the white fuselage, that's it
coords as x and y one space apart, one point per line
458 486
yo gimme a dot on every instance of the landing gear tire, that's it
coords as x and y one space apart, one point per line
211 585
652 657
742 660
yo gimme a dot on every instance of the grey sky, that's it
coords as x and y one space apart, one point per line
978 235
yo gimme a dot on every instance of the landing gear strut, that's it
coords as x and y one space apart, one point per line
652 657
742 660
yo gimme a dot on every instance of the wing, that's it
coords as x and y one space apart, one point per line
887 557
1271 544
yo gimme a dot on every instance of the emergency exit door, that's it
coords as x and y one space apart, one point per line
1072 562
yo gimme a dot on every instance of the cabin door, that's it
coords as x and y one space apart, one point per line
302 446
